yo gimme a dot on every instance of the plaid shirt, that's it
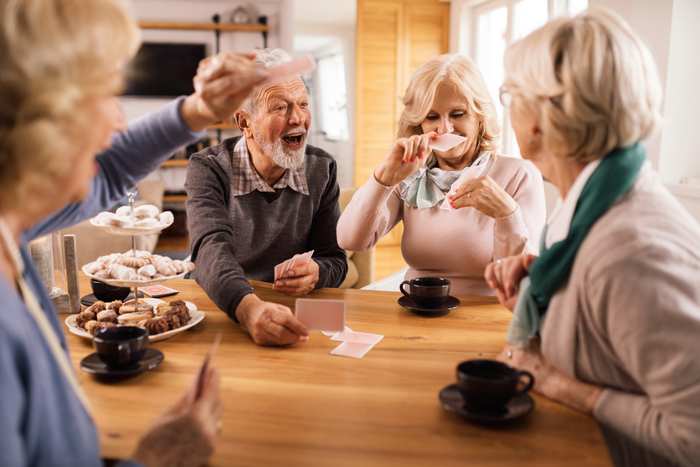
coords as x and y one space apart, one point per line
246 179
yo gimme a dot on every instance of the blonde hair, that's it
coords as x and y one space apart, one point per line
592 82
461 72
53 55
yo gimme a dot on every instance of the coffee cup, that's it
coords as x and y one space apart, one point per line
108 293
426 291
489 384
121 346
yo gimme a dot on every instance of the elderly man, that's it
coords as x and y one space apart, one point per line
255 201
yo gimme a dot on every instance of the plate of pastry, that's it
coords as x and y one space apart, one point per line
141 220
161 319
136 268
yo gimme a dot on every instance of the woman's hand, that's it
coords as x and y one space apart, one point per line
222 84
186 433
404 158
550 381
485 195
504 276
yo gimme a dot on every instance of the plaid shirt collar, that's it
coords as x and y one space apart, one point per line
246 179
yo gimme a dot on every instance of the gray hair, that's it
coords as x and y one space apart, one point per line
268 58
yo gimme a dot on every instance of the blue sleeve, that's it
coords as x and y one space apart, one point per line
12 407
134 154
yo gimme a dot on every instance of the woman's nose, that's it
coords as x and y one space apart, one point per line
445 126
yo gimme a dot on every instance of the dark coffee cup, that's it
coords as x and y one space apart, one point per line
490 385
121 346
426 291
108 293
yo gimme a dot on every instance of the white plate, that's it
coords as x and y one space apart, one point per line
123 283
130 230
196 317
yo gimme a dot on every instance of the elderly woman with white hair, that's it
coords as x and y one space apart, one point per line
462 207
62 66
607 316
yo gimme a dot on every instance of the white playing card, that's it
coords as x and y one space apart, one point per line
298 66
352 349
358 337
446 142
323 315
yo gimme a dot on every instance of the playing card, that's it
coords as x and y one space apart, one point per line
158 290
446 142
298 66
282 269
324 315
357 337
352 349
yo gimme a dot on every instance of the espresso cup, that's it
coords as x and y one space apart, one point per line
489 384
426 291
121 346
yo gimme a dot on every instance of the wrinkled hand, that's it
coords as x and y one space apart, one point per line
299 281
222 84
485 195
550 381
186 434
504 276
269 323
404 158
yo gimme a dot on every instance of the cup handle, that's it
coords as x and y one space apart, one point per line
527 385
403 291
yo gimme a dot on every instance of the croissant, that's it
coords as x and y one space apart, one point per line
96 307
107 316
84 317
156 326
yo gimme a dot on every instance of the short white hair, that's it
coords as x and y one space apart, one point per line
592 82
268 58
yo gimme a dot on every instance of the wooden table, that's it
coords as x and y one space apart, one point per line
300 406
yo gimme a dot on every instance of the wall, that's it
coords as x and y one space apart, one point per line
679 149
201 11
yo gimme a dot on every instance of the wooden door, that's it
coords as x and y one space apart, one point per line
394 37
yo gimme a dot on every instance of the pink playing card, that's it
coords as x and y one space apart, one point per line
357 337
352 349
298 66
446 142
324 315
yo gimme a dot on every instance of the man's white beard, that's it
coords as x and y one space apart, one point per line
283 158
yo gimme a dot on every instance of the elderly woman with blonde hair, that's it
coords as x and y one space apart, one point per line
607 316
62 66
462 207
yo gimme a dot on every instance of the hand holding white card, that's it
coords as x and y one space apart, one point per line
298 66
479 168
282 269
446 142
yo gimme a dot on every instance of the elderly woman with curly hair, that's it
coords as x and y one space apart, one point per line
494 204
62 66
607 317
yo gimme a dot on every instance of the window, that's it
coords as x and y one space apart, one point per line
333 97
497 23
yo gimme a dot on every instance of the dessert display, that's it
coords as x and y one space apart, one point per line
156 319
129 219
136 266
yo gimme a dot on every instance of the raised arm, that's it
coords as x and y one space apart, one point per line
520 231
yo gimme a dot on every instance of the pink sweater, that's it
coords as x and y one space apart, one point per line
453 244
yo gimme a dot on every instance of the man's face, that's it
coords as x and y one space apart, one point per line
280 123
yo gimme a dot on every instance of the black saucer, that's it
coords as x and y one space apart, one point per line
95 366
448 305
87 300
518 407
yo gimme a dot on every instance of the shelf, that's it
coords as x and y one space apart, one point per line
174 163
174 198
225 27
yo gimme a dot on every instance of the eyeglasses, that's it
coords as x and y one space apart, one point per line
505 96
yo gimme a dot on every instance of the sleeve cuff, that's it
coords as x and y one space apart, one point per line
237 296
513 222
616 409
173 111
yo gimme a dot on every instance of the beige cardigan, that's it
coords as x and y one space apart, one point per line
629 320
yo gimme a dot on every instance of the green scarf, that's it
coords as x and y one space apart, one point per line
613 177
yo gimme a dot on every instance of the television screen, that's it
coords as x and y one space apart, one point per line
161 69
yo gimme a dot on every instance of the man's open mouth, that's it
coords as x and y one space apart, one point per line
293 139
